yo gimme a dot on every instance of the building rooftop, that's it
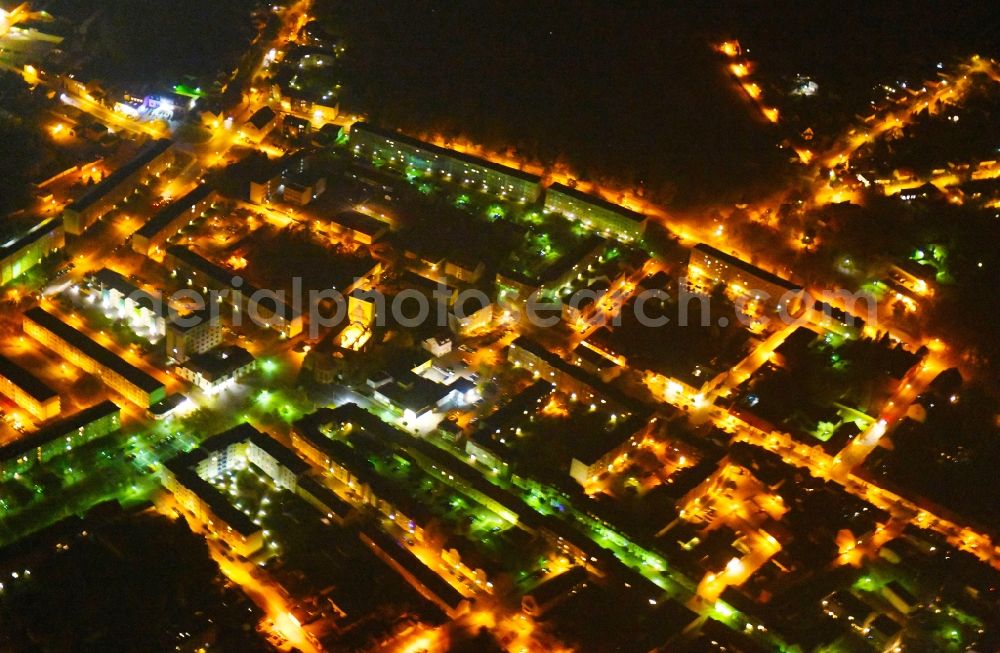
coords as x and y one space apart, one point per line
353 414
224 278
740 264
294 121
111 280
569 260
590 446
380 431
25 380
219 362
199 263
171 212
240 433
668 619
564 531
182 323
797 342
596 201
360 222
262 118
32 235
326 496
309 429
423 574
413 392
592 357
57 430
218 502
897 588
516 407
103 356
145 155
838 315
409 278
355 455
441 151
285 456
718 637
599 386
556 586
170 403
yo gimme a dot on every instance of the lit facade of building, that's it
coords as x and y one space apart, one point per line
151 161
547 366
205 276
192 334
471 321
211 508
403 152
591 456
594 457
145 313
151 237
487 445
277 461
41 446
124 378
21 387
28 250
359 226
260 125
421 577
607 218
709 267
185 477
215 368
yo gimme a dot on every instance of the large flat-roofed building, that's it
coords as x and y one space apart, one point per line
608 219
21 387
151 237
709 266
213 509
41 446
592 453
323 499
154 157
404 152
278 461
205 276
186 478
124 378
487 444
570 268
213 369
27 250
146 313
530 354
361 227
192 334
347 464
421 577
552 591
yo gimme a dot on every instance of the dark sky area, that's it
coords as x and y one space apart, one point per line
633 90
151 40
